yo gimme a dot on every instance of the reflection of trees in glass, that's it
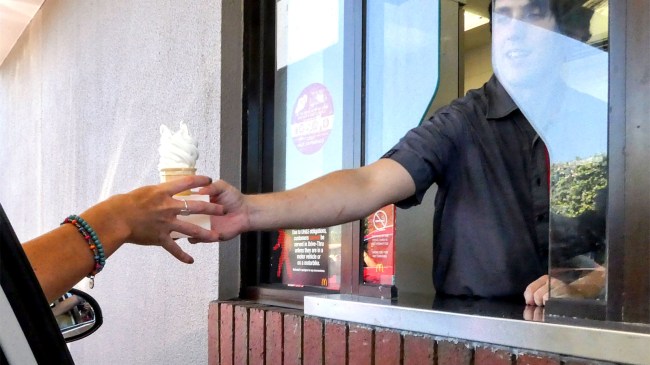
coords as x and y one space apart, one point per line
364 224
364 241
577 225
576 184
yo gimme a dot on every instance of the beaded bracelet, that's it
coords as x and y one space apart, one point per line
93 243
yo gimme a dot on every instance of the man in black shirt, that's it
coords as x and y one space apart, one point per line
492 212
491 218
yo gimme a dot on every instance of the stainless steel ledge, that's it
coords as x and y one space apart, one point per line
587 342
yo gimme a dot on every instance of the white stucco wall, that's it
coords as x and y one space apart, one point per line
82 96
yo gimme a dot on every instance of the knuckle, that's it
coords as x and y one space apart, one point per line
195 231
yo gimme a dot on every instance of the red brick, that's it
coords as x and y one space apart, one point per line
418 350
492 356
292 339
537 359
241 334
388 347
274 337
313 342
213 333
454 353
335 343
360 345
256 336
226 333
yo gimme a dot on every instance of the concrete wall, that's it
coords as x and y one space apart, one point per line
82 96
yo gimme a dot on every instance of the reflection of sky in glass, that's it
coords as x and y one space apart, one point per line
309 92
305 28
559 83
310 51
402 75
402 68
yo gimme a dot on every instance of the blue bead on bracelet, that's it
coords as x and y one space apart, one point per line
93 243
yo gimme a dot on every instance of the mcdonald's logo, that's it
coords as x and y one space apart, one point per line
323 282
379 268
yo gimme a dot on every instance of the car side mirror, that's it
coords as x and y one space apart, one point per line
77 314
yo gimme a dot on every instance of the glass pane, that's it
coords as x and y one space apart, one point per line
553 62
401 77
402 65
308 136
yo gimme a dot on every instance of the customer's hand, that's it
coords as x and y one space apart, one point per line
148 215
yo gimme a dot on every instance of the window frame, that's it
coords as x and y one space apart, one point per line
628 249
628 208
257 158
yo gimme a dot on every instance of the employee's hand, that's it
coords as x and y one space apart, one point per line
534 313
537 292
587 286
235 216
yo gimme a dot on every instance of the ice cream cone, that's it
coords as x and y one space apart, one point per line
173 173
201 220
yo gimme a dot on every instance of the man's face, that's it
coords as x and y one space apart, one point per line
524 41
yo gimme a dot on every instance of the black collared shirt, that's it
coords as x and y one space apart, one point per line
491 208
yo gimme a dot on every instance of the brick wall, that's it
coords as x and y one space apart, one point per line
242 332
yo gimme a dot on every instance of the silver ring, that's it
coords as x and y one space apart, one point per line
185 211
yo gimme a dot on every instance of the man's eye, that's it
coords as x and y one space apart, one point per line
532 16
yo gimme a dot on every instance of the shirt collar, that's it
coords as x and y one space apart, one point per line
500 104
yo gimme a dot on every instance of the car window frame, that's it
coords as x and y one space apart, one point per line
26 298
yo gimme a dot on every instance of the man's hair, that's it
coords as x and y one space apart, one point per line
572 16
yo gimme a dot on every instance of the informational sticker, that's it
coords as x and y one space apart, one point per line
312 119
379 247
305 258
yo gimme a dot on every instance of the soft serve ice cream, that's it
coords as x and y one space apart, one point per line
177 149
178 154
